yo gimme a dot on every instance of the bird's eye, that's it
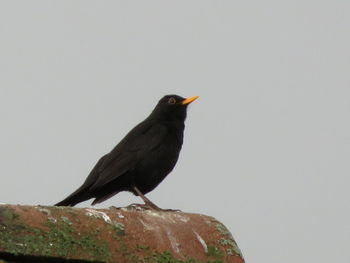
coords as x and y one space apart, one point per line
172 100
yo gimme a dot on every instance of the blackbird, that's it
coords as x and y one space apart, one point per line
142 159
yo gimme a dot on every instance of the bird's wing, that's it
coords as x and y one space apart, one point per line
144 138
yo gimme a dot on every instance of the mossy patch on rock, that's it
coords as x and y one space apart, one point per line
227 240
58 239
7 215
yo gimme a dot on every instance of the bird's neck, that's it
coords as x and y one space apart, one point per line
174 126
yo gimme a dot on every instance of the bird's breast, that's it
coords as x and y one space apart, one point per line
158 163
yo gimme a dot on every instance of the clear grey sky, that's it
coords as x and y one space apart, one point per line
267 145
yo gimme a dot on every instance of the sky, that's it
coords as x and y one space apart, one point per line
267 145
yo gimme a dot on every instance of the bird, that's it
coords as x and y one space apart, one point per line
142 159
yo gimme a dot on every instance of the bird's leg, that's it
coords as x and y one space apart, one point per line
148 202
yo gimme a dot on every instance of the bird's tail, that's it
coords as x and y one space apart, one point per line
69 201
75 198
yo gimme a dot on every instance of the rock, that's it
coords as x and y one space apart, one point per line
131 234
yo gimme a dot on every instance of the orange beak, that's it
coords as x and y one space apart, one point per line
189 100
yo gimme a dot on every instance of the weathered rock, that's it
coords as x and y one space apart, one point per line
128 234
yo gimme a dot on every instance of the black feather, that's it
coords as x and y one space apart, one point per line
145 156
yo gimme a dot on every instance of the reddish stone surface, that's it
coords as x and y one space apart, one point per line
129 234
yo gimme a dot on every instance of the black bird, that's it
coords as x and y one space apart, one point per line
142 159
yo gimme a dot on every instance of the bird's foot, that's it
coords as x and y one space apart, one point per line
171 210
151 206
140 207
143 207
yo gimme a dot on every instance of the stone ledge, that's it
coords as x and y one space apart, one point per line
130 234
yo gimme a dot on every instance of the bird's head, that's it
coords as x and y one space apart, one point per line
172 107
